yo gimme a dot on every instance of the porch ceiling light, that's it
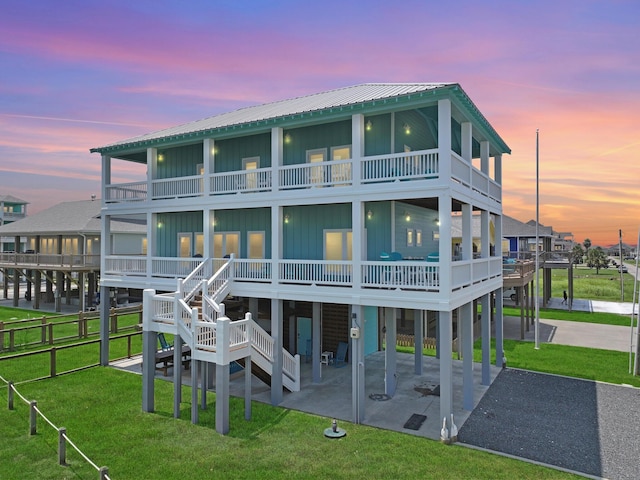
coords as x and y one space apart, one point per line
368 125
160 157
369 215
407 216
287 138
407 129
287 218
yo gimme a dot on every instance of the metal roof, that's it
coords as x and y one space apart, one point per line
326 102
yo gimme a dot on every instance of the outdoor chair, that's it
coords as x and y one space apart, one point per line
164 345
341 355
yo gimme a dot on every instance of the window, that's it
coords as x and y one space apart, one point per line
226 243
184 245
251 163
418 238
409 237
256 244
341 173
318 156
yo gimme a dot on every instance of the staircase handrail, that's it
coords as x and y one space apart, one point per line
262 344
189 286
219 279
211 310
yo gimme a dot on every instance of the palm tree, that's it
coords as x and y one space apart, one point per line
587 245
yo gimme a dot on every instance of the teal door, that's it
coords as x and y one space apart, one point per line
304 337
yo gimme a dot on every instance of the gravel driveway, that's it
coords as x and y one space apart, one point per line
589 427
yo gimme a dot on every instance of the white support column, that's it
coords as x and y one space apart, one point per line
357 364
276 334
484 157
418 341
498 236
390 355
208 164
467 232
208 229
105 249
499 329
177 375
357 146
106 180
357 242
276 243
152 170
486 340
444 217
485 230
149 347
316 344
497 165
152 238
465 321
467 141
446 365
277 142
444 140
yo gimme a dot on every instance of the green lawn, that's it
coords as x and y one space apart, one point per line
575 316
101 409
604 285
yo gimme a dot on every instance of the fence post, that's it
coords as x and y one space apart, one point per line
62 446
32 417
50 333
80 317
1 336
129 346
43 332
104 472
12 339
10 395
52 366
114 321
85 328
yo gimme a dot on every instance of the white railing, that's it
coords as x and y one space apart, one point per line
177 187
321 174
173 267
401 274
53 259
316 272
417 165
125 265
126 192
400 166
241 181
262 344
252 270
162 310
190 285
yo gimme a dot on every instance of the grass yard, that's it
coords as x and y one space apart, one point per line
101 409
575 316
604 285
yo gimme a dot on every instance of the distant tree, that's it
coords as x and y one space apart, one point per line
577 253
587 245
597 258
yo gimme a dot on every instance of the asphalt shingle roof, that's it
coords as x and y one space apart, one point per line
67 218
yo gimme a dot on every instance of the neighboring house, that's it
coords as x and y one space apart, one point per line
11 210
61 251
327 217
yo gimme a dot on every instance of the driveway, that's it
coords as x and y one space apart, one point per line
580 425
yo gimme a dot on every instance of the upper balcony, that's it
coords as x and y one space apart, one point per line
356 172
41 261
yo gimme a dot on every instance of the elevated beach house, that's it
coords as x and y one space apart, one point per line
311 225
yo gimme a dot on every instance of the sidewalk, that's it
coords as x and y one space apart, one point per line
578 334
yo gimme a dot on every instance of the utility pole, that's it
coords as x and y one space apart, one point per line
621 266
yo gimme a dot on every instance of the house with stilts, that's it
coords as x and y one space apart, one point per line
58 259
308 224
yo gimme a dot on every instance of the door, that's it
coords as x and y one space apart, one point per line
304 337
337 247
251 163
226 243
316 174
341 173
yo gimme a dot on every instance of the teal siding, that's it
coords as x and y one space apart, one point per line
303 236
378 229
421 219
229 153
377 140
318 136
244 221
180 161
172 224
370 330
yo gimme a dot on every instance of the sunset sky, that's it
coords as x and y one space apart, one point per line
78 74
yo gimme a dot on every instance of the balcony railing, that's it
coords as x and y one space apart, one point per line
38 260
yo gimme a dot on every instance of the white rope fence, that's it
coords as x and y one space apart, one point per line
63 439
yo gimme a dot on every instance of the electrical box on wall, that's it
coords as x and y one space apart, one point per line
355 332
